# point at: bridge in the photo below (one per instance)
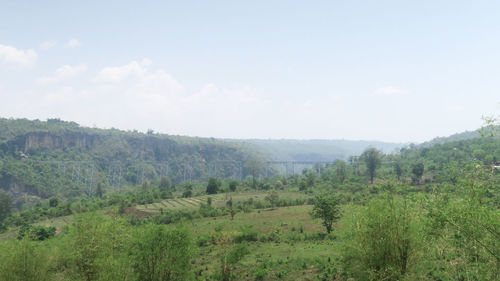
(116, 173)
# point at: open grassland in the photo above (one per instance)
(287, 244)
(264, 221)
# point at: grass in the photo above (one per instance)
(291, 255)
(288, 246)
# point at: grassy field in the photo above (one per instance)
(288, 245)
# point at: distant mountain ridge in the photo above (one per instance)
(330, 150)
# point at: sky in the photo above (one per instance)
(397, 71)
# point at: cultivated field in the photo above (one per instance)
(218, 201)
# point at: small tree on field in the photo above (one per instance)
(212, 186)
(272, 197)
(326, 207)
(232, 211)
(233, 185)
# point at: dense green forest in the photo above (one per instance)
(428, 212)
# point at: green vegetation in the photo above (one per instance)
(372, 158)
(327, 209)
(425, 213)
(40, 160)
(161, 254)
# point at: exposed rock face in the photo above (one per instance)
(52, 141)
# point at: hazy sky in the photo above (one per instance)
(384, 70)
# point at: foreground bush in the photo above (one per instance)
(162, 255)
(383, 240)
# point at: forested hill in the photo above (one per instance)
(455, 137)
(54, 157)
(314, 150)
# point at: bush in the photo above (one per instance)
(161, 254)
(36, 233)
(23, 261)
(383, 241)
(247, 234)
(260, 274)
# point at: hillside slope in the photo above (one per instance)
(43, 159)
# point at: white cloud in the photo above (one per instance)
(139, 89)
(391, 91)
(137, 95)
(119, 73)
(12, 55)
(48, 44)
(72, 43)
(63, 72)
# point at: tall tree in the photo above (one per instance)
(398, 169)
(99, 192)
(372, 158)
(418, 171)
(5, 206)
(212, 186)
(164, 183)
(254, 167)
(341, 170)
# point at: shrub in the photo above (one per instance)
(36, 233)
(161, 254)
(383, 240)
(247, 234)
(23, 261)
